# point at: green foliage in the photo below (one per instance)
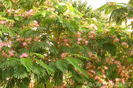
(76, 64)
(61, 43)
(44, 66)
(20, 72)
(119, 12)
(27, 63)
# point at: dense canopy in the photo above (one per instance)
(65, 44)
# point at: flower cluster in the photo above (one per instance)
(92, 35)
(3, 21)
(21, 13)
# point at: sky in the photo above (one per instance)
(97, 3)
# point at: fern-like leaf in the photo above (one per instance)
(20, 72)
(9, 62)
(75, 63)
(62, 65)
(82, 57)
(41, 63)
(27, 63)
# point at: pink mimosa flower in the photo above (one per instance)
(116, 79)
(63, 55)
(11, 53)
(116, 40)
(28, 39)
(105, 67)
(23, 55)
(123, 80)
(9, 11)
(79, 39)
(93, 71)
(102, 87)
(86, 43)
(106, 30)
(65, 40)
(78, 34)
(124, 44)
(29, 13)
(91, 36)
(97, 77)
(24, 44)
(92, 32)
(111, 82)
(35, 21)
(112, 59)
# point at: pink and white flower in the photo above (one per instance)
(23, 55)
